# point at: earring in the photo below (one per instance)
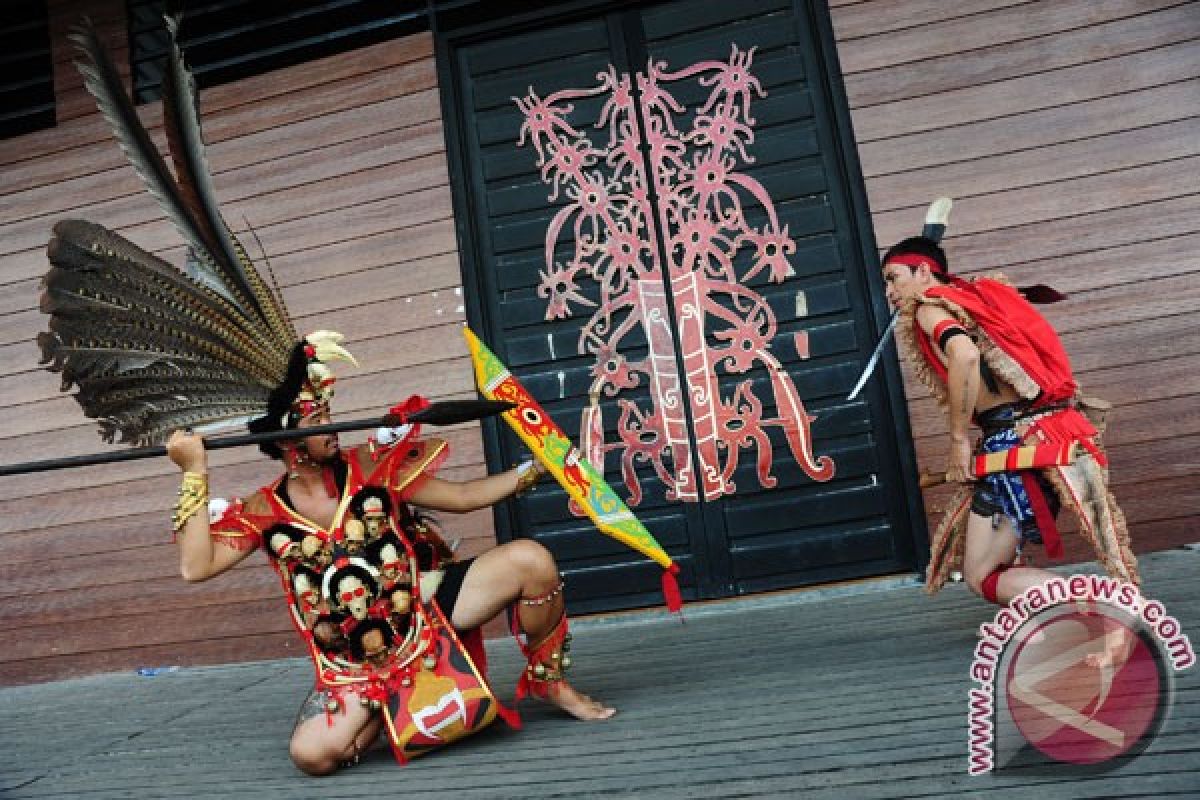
(295, 460)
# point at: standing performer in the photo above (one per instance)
(988, 356)
(390, 620)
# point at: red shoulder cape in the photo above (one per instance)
(1016, 327)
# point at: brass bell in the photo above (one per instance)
(539, 670)
(554, 656)
(429, 663)
(566, 662)
(401, 602)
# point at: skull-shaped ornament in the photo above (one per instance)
(393, 565)
(308, 594)
(374, 645)
(371, 642)
(321, 380)
(329, 636)
(283, 546)
(314, 549)
(401, 602)
(374, 517)
(356, 537)
(353, 595)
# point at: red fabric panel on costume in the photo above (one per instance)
(1046, 523)
(472, 642)
(1013, 324)
(235, 531)
(931, 356)
(1068, 426)
(273, 500)
(430, 470)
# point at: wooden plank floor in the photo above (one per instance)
(855, 691)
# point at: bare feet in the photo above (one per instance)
(1118, 643)
(579, 705)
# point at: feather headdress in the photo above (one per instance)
(926, 249)
(151, 347)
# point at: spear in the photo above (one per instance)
(449, 412)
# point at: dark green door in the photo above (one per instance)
(660, 238)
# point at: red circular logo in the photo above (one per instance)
(1084, 687)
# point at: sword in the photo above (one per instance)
(874, 359)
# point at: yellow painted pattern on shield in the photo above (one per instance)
(582, 482)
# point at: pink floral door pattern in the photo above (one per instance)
(613, 225)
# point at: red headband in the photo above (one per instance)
(915, 260)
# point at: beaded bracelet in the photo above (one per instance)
(193, 496)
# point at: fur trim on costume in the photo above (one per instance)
(949, 541)
(1080, 487)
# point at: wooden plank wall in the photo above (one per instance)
(1064, 129)
(339, 165)
(1066, 132)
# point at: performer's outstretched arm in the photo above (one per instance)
(199, 557)
(459, 497)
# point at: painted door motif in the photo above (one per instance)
(661, 237)
(696, 214)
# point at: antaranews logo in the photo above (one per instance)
(1078, 670)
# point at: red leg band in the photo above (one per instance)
(546, 662)
(989, 585)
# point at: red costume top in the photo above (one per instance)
(360, 594)
(1021, 347)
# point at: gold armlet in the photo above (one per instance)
(193, 496)
(528, 479)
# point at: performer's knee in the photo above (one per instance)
(310, 759)
(532, 559)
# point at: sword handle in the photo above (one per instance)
(930, 479)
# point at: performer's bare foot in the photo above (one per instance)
(1117, 646)
(578, 704)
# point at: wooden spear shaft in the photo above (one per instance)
(446, 413)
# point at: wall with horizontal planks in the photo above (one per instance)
(339, 166)
(1065, 131)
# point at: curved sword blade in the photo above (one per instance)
(871, 363)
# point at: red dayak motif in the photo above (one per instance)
(699, 296)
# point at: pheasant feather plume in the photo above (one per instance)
(150, 347)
